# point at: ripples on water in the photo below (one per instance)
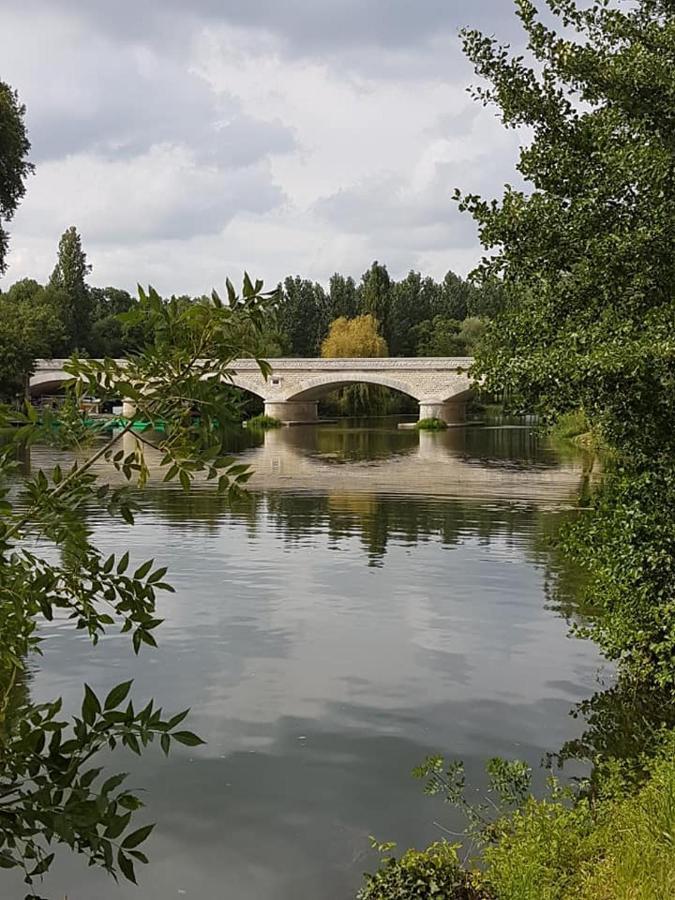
(382, 595)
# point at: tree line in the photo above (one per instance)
(414, 316)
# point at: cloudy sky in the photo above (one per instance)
(190, 139)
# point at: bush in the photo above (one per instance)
(639, 837)
(620, 848)
(539, 851)
(263, 422)
(422, 874)
(431, 425)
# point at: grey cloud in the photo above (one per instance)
(129, 103)
(160, 196)
(306, 25)
(112, 90)
(389, 207)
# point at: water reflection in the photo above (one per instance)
(329, 632)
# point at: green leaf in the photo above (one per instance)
(117, 695)
(123, 563)
(157, 575)
(113, 782)
(177, 719)
(137, 837)
(143, 570)
(117, 825)
(90, 705)
(187, 738)
(127, 515)
(126, 867)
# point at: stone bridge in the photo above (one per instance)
(440, 385)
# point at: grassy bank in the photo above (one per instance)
(619, 846)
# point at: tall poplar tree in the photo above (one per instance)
(375, 294)
(69, 277)
(343, 300)
(302, 315)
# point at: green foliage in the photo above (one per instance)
(343, 300)
(638, 842)
(69, 277)
(586, 258)
(303, 315)
(571, 425)
(508, 786)
(626, 543)
(413, 300)
(30, 327)
(620, 848)
(540, 850)
(586, 323)
(357, 337)
(14, 165)
(616, 845)
(51, 794)
(263, 422)
(441, 336)
(431, 425)
(431, 873)
(589, 278)
(50, 791)
(375, 294)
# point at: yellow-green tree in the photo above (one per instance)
(354, 337)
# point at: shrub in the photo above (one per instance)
(620, 848)
(431, 425)
(639, 837)
(422, 874)
(539, 850)
(263, 422)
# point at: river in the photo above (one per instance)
(380, 596)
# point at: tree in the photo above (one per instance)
(69, 277)
(108, 335)
(354, 338)
(588, 271)
(14, 165)
(343, 299)
(29, 328)
(439, 337)
(52, 790)
(586, 258)
(357, 337)
(412, 301)
(375, 294)
(454, 297)
(302, 315)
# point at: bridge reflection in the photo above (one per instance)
(512, 465)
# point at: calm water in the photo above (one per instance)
(383, 595)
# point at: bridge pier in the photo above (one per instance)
(293, 412)
(447, 411)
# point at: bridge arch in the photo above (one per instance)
(250, 385)
(47, 383)
(319, 387)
